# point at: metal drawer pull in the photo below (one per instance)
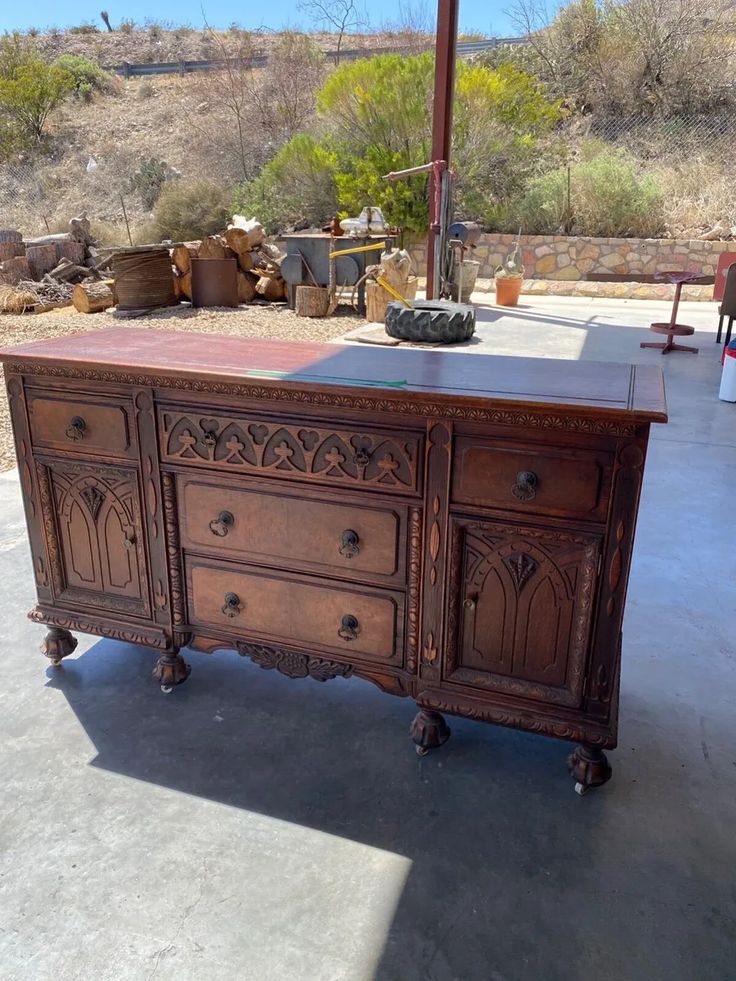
(76, 429)
(209, 439)
(349, 543)
(525, 488)
(222, 524)
(470, 603)
(349, 628)
(129, 540)
(362, 458)
(232, 606)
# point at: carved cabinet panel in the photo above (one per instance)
(521, 604)
(93, 531)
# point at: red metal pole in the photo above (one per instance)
(444, 93)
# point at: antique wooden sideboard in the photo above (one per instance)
(455, 528)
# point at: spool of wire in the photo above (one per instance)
(143, 279)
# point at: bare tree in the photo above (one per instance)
(340, 16)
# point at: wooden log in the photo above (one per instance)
(73, 251)
(11, 250)
(184, 286)
(247, 283)
(214, 247)
(311, 301)
(237, 239)
(10, 235)
(67, 272)
(12, 271)
(41, 259)
(271, 289)
(92, 297)
(182, 255)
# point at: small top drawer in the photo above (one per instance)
(80, 423)
(342, 540)
(532, 479)
(357, 458)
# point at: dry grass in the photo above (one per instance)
(15, 299)
(277, 322)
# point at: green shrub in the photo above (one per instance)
(608, 197)
(295, 189)
(375, 117)
(187, 211)
(149, 180)
(88, 76)
(30, 90)
(85, 28)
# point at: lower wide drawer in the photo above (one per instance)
(257, 604)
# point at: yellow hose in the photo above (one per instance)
(397, 296)
(363, 248)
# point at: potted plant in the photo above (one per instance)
(509, 278)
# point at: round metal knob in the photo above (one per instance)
(349, 627)
(349, 543)
(129, 540)
(525, 488)
(76, 429)
(209, 438)
(222, 524)
(232, 605)
(361, 458)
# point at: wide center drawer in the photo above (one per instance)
(532, 479)
(259, 605)
(343, 540)
(357, 458)
(80, 424)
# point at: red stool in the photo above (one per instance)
(673, 329)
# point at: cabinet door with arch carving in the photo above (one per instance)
(522, 601)
(94, 536)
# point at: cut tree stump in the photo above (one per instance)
(73, 251)
(215, 247)
(12, 271)
(41, 259)
(11, 250)
(311, 301)
(377, 298)
(10, 235)
(184, 286)
(92, 297)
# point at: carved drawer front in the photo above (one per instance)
(245, 444)
(80, 424)
(93, 528)
(530, 479)
(270, 529)
(253, 604)
(521, 609)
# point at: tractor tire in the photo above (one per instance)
(431, 322)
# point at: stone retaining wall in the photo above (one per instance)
(572, 258)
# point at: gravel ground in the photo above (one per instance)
(274, 321)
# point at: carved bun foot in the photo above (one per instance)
(428, 730)
(57, 644)
(171, 669)
(589, 768)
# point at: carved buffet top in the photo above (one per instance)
(576, 396)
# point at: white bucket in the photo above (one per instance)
(727, 391)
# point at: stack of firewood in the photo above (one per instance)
(259, 262)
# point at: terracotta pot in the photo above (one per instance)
(508, 289)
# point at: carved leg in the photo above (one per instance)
(428, 730)
(171, 669)
(57, 644)
(589, 767)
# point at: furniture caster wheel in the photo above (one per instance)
(589, 768)
(422, 750)
(167, 689)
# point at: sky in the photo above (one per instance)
(489, 17)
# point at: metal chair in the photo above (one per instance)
(728, 304)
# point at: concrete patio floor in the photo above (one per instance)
(253, 827)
